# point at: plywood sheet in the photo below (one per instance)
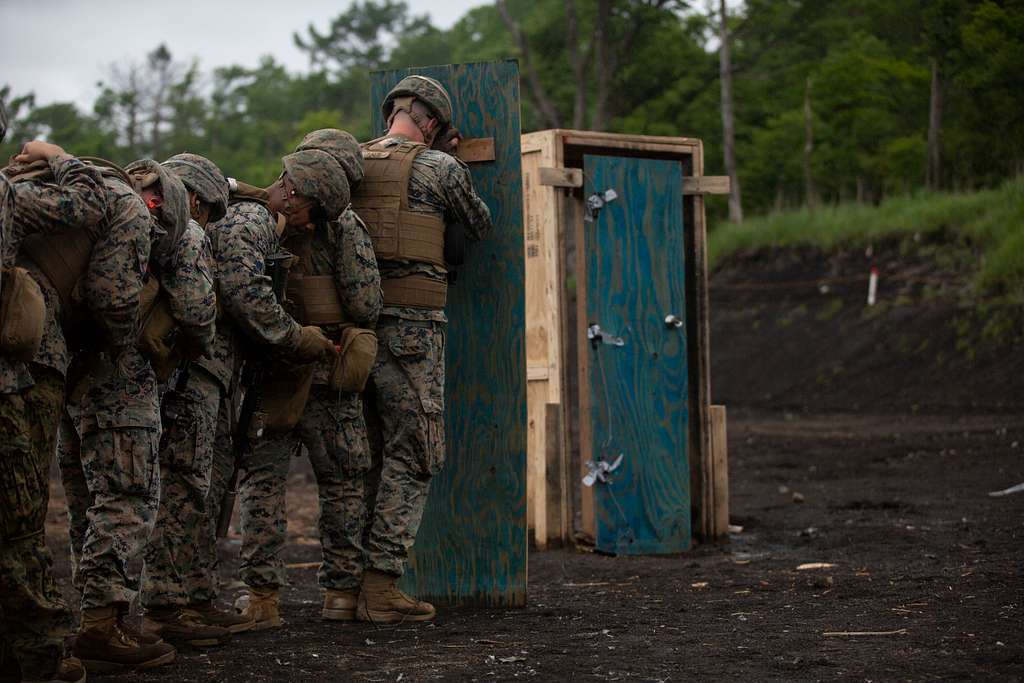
(472, 545)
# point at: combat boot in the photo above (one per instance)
(259, 605)
(340, 605)
(105, 647)
(209, 614)
(69, 671)
(180, 625)
(381, 602)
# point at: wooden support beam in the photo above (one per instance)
(556, 493)
(473, 150)
(706, 184)
(719, 473)
(561, 177)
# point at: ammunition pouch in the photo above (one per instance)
(415, 291)
(285, 394)
(357, 354)
(22, 314)
(382, 201)
(158, 325)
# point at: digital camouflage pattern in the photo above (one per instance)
(202, 176)
(332, 429)
(190, 289)
(176, 567)
(35, 618)
(74, 201)
(334, 434)
(342, 146)
(407, 382)
(189, 420)
(204, 584)
(423, 88)
(172, 217)
(117, 422)
(241, 243)
(318, 176)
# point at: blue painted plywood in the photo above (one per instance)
(638, 391)
(471, 548)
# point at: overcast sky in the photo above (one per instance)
(59, 49)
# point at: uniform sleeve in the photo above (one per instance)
(190, 289)
(464, 204)
(75, 200)
(356, 275)
(247, 290)
(117, 268)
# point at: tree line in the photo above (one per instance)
(821, 101)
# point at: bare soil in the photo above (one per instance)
(881, 471)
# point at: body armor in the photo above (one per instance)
(398, 234)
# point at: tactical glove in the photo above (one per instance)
(313, 344)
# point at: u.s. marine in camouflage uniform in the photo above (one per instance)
(176, 568)
(408, 376)
(111, 449)
(337, 266)
(34, 620)
(255, 324)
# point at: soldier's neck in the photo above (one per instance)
(406, 128)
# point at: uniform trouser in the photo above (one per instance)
(177, 564)
(205, 587)
(111, 477)
(408, 399)
(333, 431)
(33, 615)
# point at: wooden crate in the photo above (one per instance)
(559, 508)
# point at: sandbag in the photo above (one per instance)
(358, 351)
(22, 314)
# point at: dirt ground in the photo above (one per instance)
(925, 570)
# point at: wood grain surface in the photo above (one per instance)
(472, 546)
(635, 277)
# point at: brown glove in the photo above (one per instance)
(313, 344)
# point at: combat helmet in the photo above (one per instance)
(317, 175)
(340, 145)
(425, 89)
(202, 176)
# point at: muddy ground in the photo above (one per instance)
(850, 446)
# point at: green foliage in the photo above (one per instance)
(983, 231)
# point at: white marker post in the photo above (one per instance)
(872, 286)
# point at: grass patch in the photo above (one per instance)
(990, 222)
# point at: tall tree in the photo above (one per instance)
(728, 120)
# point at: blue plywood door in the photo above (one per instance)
(472, 545)
(635, 295)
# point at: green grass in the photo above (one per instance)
(989, 223)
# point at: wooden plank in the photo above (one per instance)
(720, 472)
(632, 144)
(536, 463)
(475, 150)
(709, 184)
(639, 389)
(588, 523)
(561, 177)
(555, 485)
(591, 137)
(472, 544)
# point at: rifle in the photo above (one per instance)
(250, 422)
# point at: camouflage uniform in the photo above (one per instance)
(408, 376)
(331, 428)
(110, 451)
(189, 422)
(35, 617)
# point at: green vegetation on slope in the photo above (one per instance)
(988, 223)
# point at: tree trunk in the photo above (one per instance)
(728, 129)
(537, 92)
(810, 192)
(579, 65)
(934, 173)
(602, 65)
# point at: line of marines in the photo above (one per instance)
(174, 335)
